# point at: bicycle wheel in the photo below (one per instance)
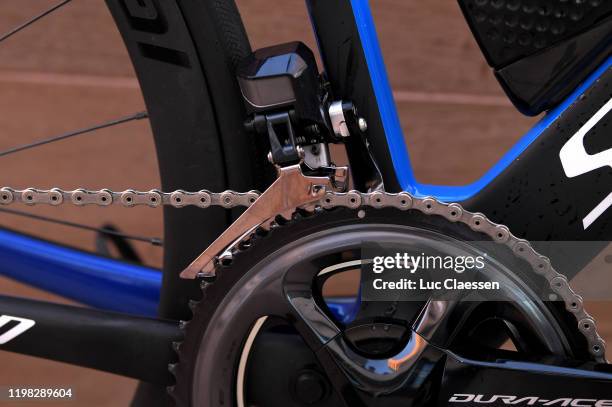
(185, 54)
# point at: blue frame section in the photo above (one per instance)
(83, 277)
(117, 286)
(384, 95)
(393, 129)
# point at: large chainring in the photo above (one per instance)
(234, 301)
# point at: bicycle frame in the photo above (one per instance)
(90, 279)
(394, 134)
(112, 285)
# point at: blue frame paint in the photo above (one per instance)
(80, 276)
(393, 129)
(113, 285)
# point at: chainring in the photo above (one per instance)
(223, 293)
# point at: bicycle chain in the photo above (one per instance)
(353, 200)
(500, 234)
(128, 198)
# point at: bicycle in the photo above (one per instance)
(263, 275)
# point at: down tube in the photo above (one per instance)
(83, 277)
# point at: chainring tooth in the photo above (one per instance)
(352, 200)
(541, 265)
(455, 213)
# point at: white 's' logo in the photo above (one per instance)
(576, 161)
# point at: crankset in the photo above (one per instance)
(266, 334)
(294, 191)
(262, 280)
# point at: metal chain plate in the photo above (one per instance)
(128, 198)
(498, 233)
(353, 200)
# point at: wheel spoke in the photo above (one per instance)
(33, 20)
(110, 123)
(103, 231)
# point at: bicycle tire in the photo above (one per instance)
(197, 121)
(185, 53)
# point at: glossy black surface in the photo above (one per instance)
(347, 71)
(107, 341)
(543, 80)
(397, 381)
(508, 30)
(281, 76)
(538, 202)
(283, 371)
(466, 379)
(541, 50)
(429, 376)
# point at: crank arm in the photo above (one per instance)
(291, 189)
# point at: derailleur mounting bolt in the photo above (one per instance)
(363, 124)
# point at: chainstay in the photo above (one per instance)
(453, 212)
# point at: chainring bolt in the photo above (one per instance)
(310, 387)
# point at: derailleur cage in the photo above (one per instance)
(292, 189)
(288, 104)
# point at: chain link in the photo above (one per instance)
(353, 200)
(128, 198)
(500, 234)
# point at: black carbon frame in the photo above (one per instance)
(538, 202)
(126, 345)
(533, 197)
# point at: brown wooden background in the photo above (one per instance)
(71, 70)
